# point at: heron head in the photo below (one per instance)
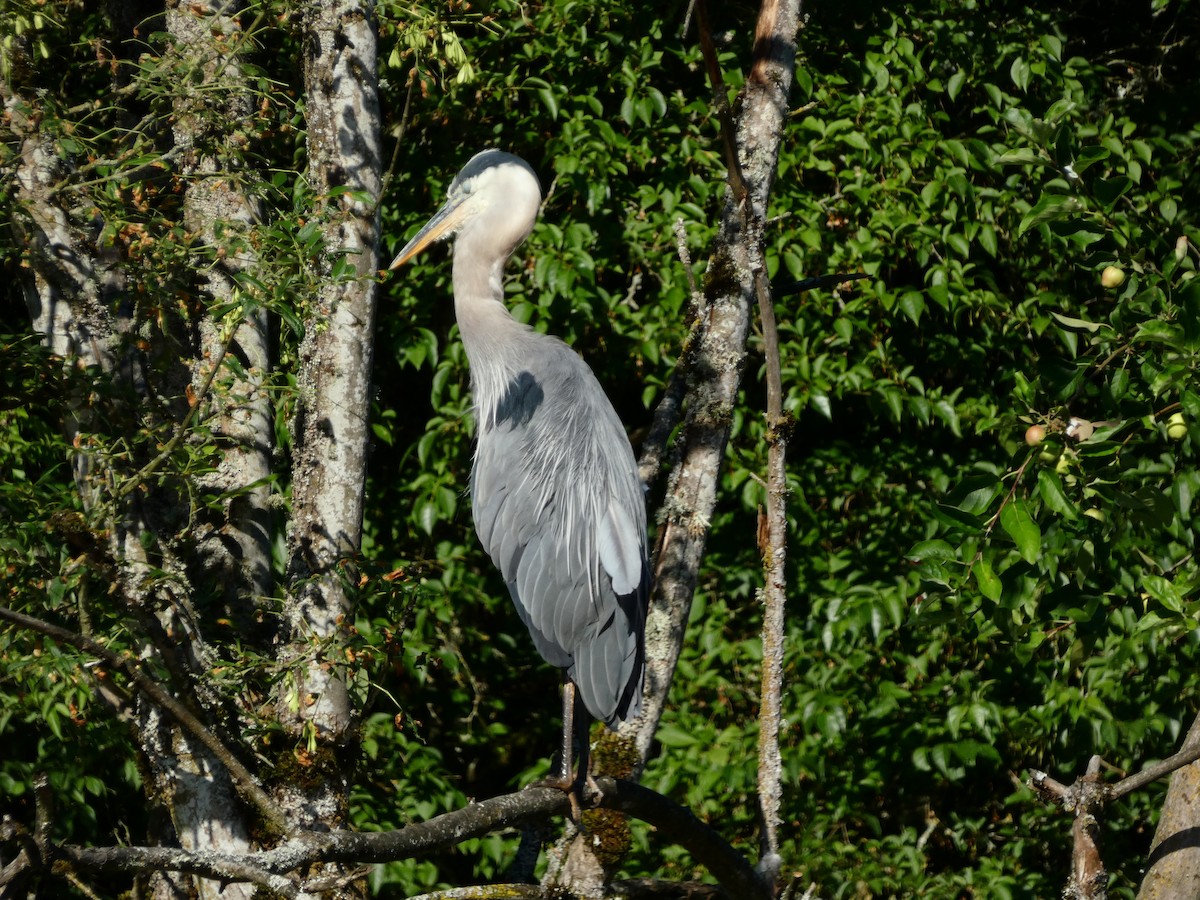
(496, 196)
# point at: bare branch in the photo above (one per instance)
(816, 282)
(303, 849)
(486, 892)
(774, 58)
(252, 867)
(1188, 755)
(658, 889)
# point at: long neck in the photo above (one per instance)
(495, 342)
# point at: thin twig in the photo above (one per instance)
(733, 164)
(135, 481)
(1184, 757)
(816, 282)
(486, 892)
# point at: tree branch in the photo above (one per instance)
(246, 783)
(776, 29)
(1086, 797)
(269, 867)
(1188, 755)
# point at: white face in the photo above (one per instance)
(492, 205)
(499, 196)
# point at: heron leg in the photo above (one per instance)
(574, 779)
(584, 785)
(565, 773)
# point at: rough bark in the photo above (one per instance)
(330, 429)
(715, 358)
(231, 553)
(233, 542)
(1173, 868)
(713, 361)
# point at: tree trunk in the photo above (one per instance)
(330, 429)
(715, 364)
(1173, 869)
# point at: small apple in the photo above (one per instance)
(1034, 435)
(1177, 427)
(1112, 277)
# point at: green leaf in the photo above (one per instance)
(1074, 324)
(974, 495)
(987, 239)
(956, 519)
(1051, 491)
(1088, 157)
(1109, 190)
(1022, 156)
(1159, 331)
(1049, 208)
(988, 581)
(670, 735)
(546, 95)
(820, 402)
(912, 304)
(1019, 72)
(935, 549)
(1163, 591)
(1019, 525)
(955, 83)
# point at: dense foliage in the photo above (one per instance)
(1018, 181)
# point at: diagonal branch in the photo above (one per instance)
(776, 28)
(247, 784)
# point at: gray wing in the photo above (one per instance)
(559, 507)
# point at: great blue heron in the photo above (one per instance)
(555, 493)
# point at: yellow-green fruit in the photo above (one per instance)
(1034, 435)
(1112, 277)
(1176, 427)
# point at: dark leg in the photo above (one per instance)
(565, 773)
(584, 785)
(574, 780)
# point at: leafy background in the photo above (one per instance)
(963, 606)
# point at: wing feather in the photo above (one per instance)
(559, 508)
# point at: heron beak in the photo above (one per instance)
(444, 223)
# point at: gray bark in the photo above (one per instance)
(716, 361)
(714, 371)
(330, 427)
(1173, 869)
